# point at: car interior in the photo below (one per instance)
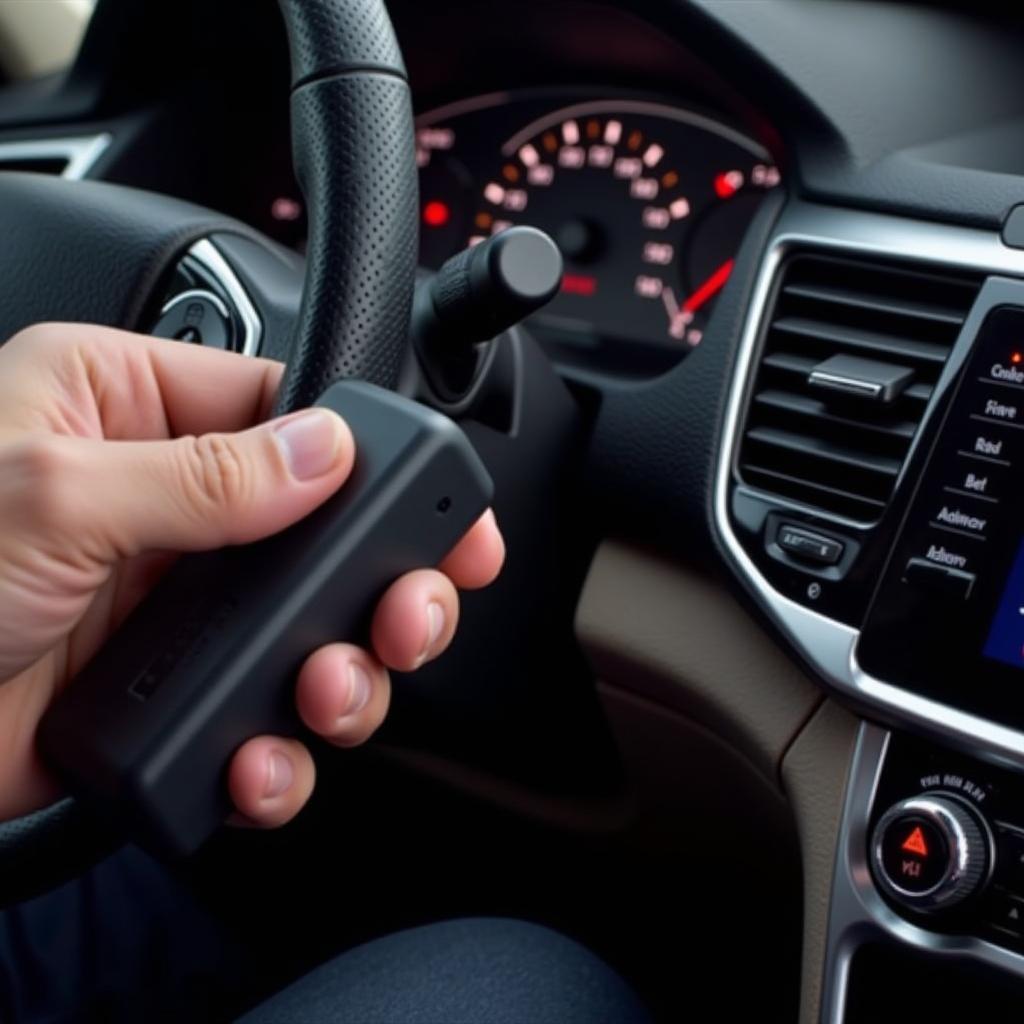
(740, 713)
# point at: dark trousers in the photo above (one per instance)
(125, 943)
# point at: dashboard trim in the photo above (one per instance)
(81, 153)
(205, 253)
(829, 646)
(857, 912)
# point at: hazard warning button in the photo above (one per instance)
(914, 854)
(931, 852)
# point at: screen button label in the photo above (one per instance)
(997, 410)
(983, 446)
(961, 520)
(1010, 374)
(938, 554)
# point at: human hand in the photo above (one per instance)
(118, 451)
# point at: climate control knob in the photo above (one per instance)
(931, 852)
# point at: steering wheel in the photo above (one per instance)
(95, 252)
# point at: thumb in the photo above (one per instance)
(198, 493)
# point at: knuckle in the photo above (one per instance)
(42, 469)
(217, 475)
(49, 335)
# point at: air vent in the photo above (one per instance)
(67, 158)
(852, 355)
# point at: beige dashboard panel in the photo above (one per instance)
(814, 774)
(680, 638)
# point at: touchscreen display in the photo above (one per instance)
(947, 620)
(1006, 637)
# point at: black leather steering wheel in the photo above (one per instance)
(94, 252)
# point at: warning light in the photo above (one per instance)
(579, 284)
(1017, 358)
(728, 183)
(914, 843)
(436, 214)
(284, 208)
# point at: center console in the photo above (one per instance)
(871, 497)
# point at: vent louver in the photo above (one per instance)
(832, 449)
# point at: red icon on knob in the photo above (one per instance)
(914, 843)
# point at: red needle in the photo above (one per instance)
(709, 289)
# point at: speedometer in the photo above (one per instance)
(648, 203)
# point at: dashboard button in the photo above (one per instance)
(1002, 408)
(914, 854)
(938, 579)
(962, 518)
(199, 317)
(808, 545)
(1005, 912)
(1010, 863)
(989, 446)
(977, 480)
(930, 853)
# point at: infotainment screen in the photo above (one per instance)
(947, 618)
(1006, 637)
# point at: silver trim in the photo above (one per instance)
(206, 253)
(81, 153)
(858, 914)
(829, 646)
(203, 293)
(834, 382)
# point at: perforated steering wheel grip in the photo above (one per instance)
(354, 153)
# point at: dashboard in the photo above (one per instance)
(791, 315)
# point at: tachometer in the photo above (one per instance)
(648, 203)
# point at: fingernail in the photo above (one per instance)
(359, 689)
(309, 443)
(435, 623)
(280, 774)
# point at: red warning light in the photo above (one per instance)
(579, 284)
(728, 183)
(914, 843)
(436, 214)
(1017, 358)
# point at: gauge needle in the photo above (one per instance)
(680, 317)
(710, 288)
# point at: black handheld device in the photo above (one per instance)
(210, 658)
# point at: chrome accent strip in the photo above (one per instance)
(858, 914)
(829, 646)
(207, 254)
(80, 153)
(834, 382)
